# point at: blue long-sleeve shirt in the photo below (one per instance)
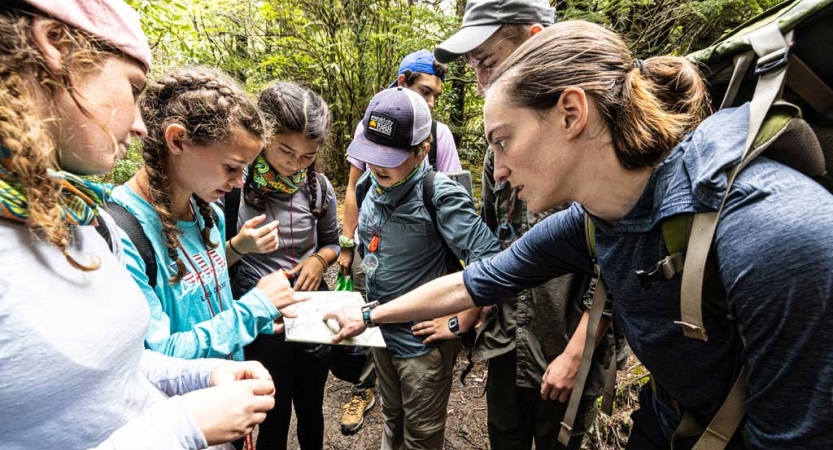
(185, 322)
(774, 252)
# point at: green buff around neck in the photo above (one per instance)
(267, 179)
(381, 189)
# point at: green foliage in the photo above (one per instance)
(347, 50)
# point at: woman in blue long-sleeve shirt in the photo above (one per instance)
(573, 117)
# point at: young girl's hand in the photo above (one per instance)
(252, 239)
(310, 273)
(277, 288)
(345, 261)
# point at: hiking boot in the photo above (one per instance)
(353, 417)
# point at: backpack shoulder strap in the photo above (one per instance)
(452, 263)
(104, 231)
(130, 224)
(599, 291)
(231, 207)
(322, 189)
(432, 154)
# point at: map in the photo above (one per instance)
(310, 327)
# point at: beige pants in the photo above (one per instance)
(415, 395)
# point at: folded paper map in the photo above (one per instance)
(310, 327)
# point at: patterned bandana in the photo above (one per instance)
(267, 179)
(81, 198)
(381, 189)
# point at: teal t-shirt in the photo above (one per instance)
(189, 319)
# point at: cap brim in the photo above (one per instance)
(376, 154)
(464, 41)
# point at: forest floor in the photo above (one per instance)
(466, 426)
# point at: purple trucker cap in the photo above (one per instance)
(396, 120)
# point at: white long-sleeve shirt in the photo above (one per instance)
(73, 370)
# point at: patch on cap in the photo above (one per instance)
(381, 125)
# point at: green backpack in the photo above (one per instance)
(778, 61)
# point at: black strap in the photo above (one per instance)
(452, 262)
(104, 231)
(231, 207)
(432, 154)
(130, 224)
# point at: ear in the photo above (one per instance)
(423, 152)
(535, 29)
(400, 80)
(572, 109)
(41, 29)
(175, 138)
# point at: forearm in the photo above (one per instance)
(575, 347)
(329, 255)
(444, 296)
(176, 376)
(232, 257)
(468, 317)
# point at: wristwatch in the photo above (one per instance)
(368, 322)
(346, 242)
(454, 326)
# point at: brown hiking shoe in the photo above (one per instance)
(353, 417)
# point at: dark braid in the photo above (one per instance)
(208, 104)
(290, 108)
(208, 219)
(312, 185)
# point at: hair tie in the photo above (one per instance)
(640, 64)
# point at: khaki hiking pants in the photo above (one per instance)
(415, 395)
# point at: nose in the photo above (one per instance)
(138, 127)
(501, 172)
(430, 99)
(238, 181)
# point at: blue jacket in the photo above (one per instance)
(181, 322)
(410, 252)
(774, 250)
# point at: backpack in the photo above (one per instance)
(791, 121)
(452, 263)
(432, 153)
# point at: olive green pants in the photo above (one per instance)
(415, 395)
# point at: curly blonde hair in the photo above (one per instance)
(23, 69)
(208, 104)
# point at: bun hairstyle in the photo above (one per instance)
(648, 105)
(22, 133)
(292, 109)
(209, 105)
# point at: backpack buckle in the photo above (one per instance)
(773, 61)
(664, 270)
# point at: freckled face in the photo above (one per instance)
(529, 151)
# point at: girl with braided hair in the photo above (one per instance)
(74, 370)
(283, 184)
(203, 130)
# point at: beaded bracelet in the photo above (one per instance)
(321, 260)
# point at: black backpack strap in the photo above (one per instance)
(452, 262)
(322, 190)
(231, 207)
(432, 154)
(130, 224)
(103, 230)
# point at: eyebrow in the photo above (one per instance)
(239, 160)
(493, 131)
